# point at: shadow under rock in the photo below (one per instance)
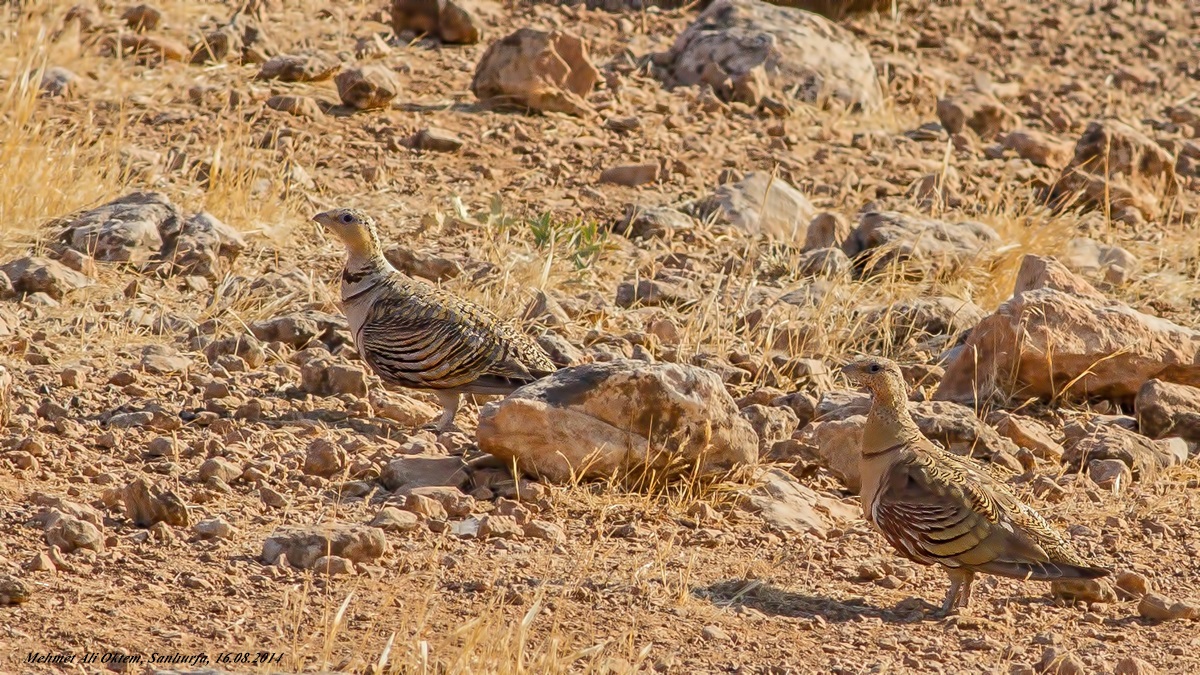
(440, 107)
(773, 601)
(341, 110)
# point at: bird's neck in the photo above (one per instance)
(889, 423)
(364, 252)
(365, 267)
(363, 248)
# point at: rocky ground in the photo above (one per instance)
(705, 218)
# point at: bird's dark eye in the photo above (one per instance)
(874, 367)
(347, 218)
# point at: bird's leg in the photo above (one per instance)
(958, 578)
(964, 595)
(449, 401)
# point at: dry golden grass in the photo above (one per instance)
(49, 170)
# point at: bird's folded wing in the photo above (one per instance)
(936, 513)
(435, 342)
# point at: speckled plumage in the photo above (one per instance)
(417, 336)
(937, 507)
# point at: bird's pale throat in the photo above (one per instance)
(362, 248)
(888, 422)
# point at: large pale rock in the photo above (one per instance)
(790, 506)
(619, 417)
(163, 360)
(1118, 165)
(147, 227)
(53, 506)
(126, 229)
(1046, 341)
(1166, 409)
(451, 21)
(1157, 607)
(455, 502)
(761, 204)
(960, 431)
(771, 424)
(921, 246)
(32, 274)
(1047, 272)
(304, 545)
(748, 49)
(837, 446)
(69, 533)
(298, 329)
(548, 71)
(392, 519)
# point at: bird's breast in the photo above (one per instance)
(871, 472)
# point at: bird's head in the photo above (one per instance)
(877, 374)
(355, 228)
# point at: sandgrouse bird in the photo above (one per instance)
(937, 507)
(416, 336)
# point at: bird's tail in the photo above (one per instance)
(1044, 571)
